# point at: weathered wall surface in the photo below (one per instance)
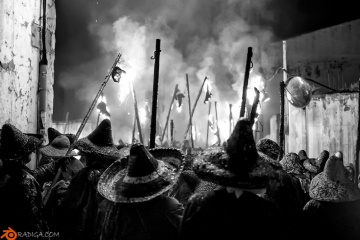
(329, 56)
(329, 122)
(20, 43)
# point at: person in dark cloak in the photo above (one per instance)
(283, 189)
(21, 205)
(138, 207)
(291, 165)
(236, 210)
(81, 205)
(334, 209)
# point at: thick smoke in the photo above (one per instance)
(200, 38)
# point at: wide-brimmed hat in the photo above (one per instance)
(238, 165)
(58, 148)
(147, 174)
(316, 165)
(332, 185)
(100, 142)
(15, 144)
(53, 133)
(268, 147)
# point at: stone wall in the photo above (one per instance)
(20, 54)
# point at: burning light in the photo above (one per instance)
(179, 108)
(142, 115)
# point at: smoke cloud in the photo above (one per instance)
(200, 38)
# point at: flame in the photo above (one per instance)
(142, 115)
(179, 108)
(125, 87)
(193, 132)
(255, 81)
(206, 85)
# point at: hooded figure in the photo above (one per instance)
(334, 209)
(283, 189)
(21, 204)
(235, 209)
(81, 205)
(136, 188)
(291, 165)
(316, 165)
(189, 183)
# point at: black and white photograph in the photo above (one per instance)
(179, 119)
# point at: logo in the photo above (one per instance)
(9, 234)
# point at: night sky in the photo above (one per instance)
(202, 38)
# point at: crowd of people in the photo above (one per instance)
(240, 190)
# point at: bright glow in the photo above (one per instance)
(107, 109)
(179, 108)
(206, 85)
(194, 132)
(142, 115)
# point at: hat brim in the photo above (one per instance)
(210, 165)
(86, 146)
(323, 189)
(50, 151)
(111, 184)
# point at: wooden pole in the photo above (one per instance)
(134, 130)
(86, 118)
(208, 126)
(168, 116)
(172, 132)
(254, 106)
(217, 124)
(282, 104)
(282, 116)
(155, 94)
(190, 118)
(357, 142)
(136, 110)
(66, 121)
(193, 110)
(246, 80)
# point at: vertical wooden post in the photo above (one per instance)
(282, 115)
(155, 93)
(208, 126)
(193, 110)
(136, 112)
(168, 116)
(172, 132)
(230, 119)
(246, 80)
(357, 141)
(190, 120)
(217, 124)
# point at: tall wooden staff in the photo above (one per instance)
(136, 110)
(282, 114)
(217, 124)
(357, 141)
(155, 93)
(172, 132)
(134, 130)
(254, 106)
(46, 198)
(208, 126)
(246, 80)
(193, 110)
(282, 105)
(167, 118)
(188, 91)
